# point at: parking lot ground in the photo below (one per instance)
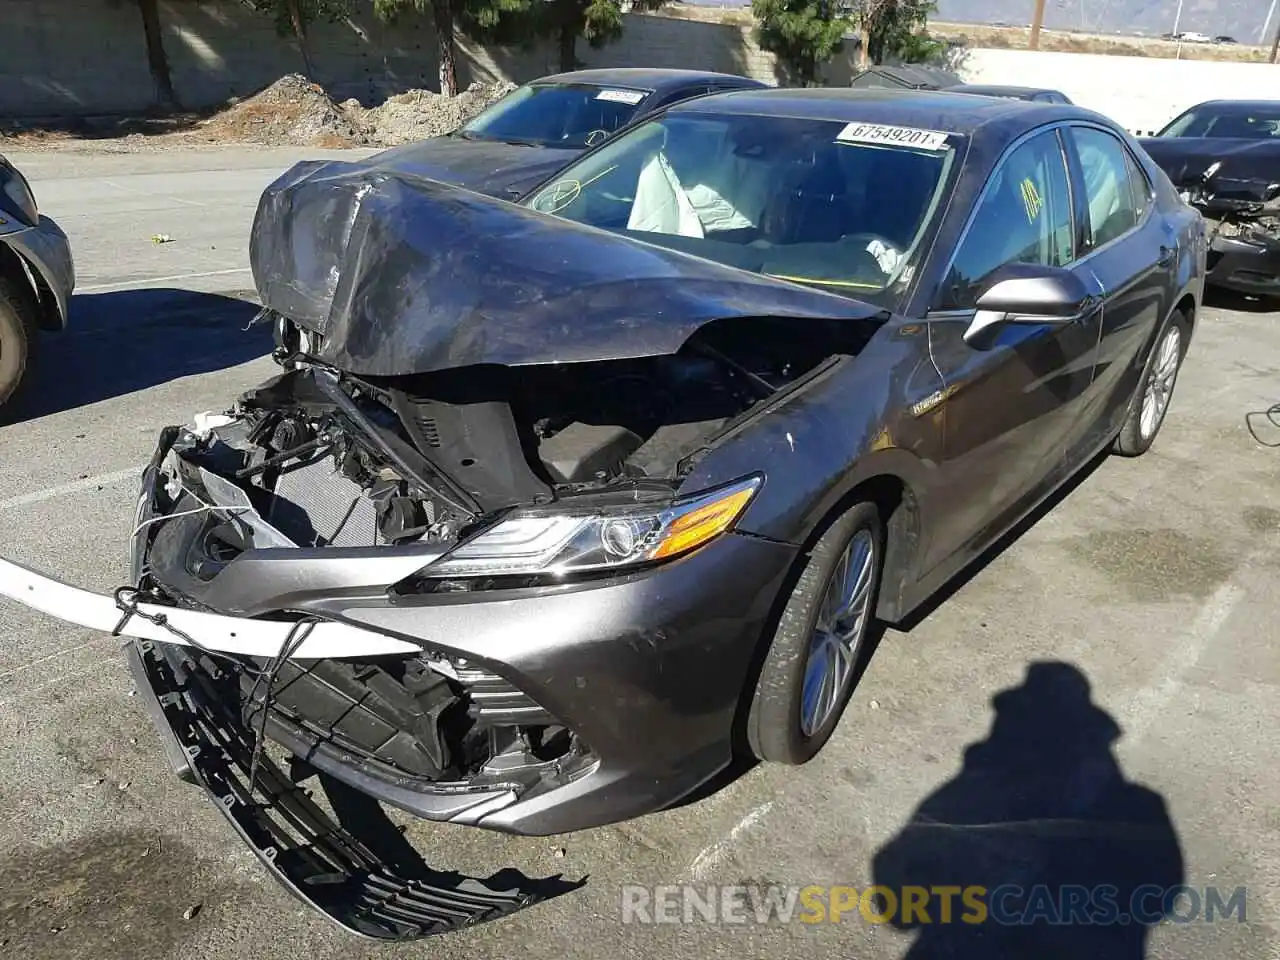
(1133, 630)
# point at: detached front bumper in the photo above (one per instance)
(317, 860)
(1244, 265)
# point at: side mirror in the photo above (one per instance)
(1027, 293)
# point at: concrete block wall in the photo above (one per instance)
(72, 57)
(79, 57)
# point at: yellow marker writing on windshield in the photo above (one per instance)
(1031, 200)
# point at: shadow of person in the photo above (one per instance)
(1075, 860)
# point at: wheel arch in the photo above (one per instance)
(15, 268)
(1188, 307)
(893, 481)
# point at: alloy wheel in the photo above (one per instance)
(1155, 400)
(838, 632)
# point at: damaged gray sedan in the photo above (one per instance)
(556, 505)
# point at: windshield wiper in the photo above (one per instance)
(518, 142)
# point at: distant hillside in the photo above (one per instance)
(1242, 19)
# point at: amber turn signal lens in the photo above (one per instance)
(705, 523)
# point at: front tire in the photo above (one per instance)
(1155, 390)
(17, 337)
(816, 653)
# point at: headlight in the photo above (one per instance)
(18, 198)
(526, 543)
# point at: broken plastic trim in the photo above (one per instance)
(329, 869)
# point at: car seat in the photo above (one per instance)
(811, 207)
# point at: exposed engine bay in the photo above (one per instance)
(316, 459)
(1236, 208)
(347, 461)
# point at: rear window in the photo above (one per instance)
(572, 115)
(1227, 121)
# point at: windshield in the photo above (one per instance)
(1227, 121)
(573, 115)
(841, 206)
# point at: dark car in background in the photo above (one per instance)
(1034, 94)
(37, 275)
(540, 127)
(555, 504)
(1224, 157)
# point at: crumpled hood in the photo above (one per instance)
(401, 275)
(498, 169)
(1185, 159)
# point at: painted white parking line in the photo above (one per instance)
(125, 284)
(75, 486)
(1146, 706)
(707, 860)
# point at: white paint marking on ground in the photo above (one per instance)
(145, 193)
(75, 486)
(123, 284)
(704, 862)
(1145, 707)
(7, 674)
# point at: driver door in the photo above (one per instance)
(1009, 413)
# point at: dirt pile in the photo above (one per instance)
(418, 114)
(291, 111)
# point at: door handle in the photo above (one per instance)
(1166, 255)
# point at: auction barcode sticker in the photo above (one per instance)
(621, 96)
(893, 136)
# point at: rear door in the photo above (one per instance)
(1010, 412)
(1133, 254)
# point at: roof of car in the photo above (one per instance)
(997, 89)
(644, 78)
(958, 113)
(1240, 104)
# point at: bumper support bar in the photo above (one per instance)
(212, 631)
(318, 861)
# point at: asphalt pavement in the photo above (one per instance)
(1132, 630)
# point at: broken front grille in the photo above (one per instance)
(495, 702)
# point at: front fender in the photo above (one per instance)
(43, 253)
(845, 428)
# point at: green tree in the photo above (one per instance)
(895, 30)
(444, 17)
(295, 16)
(802, 34)
(525, 23)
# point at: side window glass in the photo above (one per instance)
(1138, 185)
(1024, 216)
(1104, 162)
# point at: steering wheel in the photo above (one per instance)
(558, 196)
(595, 136)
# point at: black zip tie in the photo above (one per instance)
(126, 600)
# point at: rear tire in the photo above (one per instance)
(17, 336)
(1155, 390)
(793, 712)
